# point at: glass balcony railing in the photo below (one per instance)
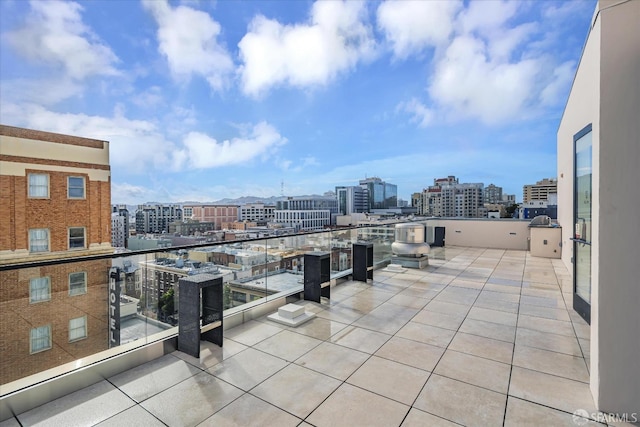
(65, 314)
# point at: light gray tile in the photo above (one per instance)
(461, 403)
(387, 318)
(546, 312)
(87, 406)
(489, 330)
(352, 406)
(248, 410)
(360, 339)
(135, 416)
(474, 370)
(287, 345)
(417, 418)
(149, 379)
(493, 316)
(296, 390)
(548, 341)
(10, 422)
(523, 413)
(198, 398)
(441, 320)
(319, 328)
(545, 325)
(390, 379)
(408, 301)
(412, 353)
(447, 308)
(550, 362)
(211, 354)
(252, 332)
(500, 351)
(492, 304)
(426, 334)
(248, 368)
(550, 390)
(334, 360)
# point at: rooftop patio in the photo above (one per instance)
(480, 337)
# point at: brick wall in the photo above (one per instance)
(18, 316)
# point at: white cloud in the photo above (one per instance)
(467, 83)
(419, 112)
(188, 39)
(48, 91)
(413, 25)
(335, 40)
(491, 70)
(202, 151)
(560, 82)
(55, 34)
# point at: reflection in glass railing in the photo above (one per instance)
(57, 312)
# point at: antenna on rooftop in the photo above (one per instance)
(282, 188)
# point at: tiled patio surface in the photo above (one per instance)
(481, 337)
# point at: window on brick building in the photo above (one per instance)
(39, 240)
(40, 339)
(38, 185)
(39, 289)
(77, 328)
(78, 283)
(76, 238)
(75, 187)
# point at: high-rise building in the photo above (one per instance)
(380, 194)
(119, 226)
(155, 218)
(448, 198)
(56, 203)
(352, 199)
(492, 194)
(540, 190)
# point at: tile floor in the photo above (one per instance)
(481, 337)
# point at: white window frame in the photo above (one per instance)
(38, 334)
(40, 239)
(84, 238)
(31, 187)
(38, 294)
(69, 187)
(80, 290)
(78, 331)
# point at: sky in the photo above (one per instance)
(205, 100)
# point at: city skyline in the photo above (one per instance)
(203, 101)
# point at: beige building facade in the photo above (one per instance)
(598, 201)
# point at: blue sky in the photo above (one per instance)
(203, 100)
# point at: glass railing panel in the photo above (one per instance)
(62, 312)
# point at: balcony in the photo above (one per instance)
(480, 337)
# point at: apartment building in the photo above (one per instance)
(540, 190)
(216, 214)
(52, 208)
(492, 194)
(155, 218)
(448, 198)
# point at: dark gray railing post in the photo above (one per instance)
(317, 275)
(190, 308)
(362, 254)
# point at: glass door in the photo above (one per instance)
(582, 223)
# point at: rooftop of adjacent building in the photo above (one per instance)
(480, 337)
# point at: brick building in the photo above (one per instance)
(217, 214)
(56, 203)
